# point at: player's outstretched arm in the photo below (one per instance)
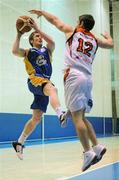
(106, 42)
(16, 50)
(53, 20)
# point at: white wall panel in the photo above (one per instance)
(13, 77)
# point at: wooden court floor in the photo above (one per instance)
(52, 161)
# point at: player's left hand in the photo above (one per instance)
(33, 24)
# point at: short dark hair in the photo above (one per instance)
(31, 37)
(88, 21)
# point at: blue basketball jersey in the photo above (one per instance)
(38, 61)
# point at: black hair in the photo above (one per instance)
(88, 21)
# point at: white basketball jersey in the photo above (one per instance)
(80, 51)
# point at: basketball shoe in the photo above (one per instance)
(100, 150)
(63, 119)
(18, 147)
(89, 158)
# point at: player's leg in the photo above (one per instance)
(50, 90)
(28, 129)
(82, 132)
(98, 148)
(30, 125)
(91, 132)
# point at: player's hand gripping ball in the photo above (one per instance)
(23, 24)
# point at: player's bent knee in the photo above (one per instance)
(36, 119)
(54, 89)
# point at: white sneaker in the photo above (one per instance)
(100, 150)
(89, 158)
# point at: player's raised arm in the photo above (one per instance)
(22, 25)
(106, 42)
(53, 20)
(16, 50)
(46, 37)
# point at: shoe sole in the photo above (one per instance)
(64, 124)
(19, 156)
(101, 155)
(93, 160)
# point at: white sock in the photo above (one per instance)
(22, 138)
(59, 111)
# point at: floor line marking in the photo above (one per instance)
(68, 177)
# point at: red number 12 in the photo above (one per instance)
(88, 47)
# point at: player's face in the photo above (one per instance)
(37, 40)
(79, 23)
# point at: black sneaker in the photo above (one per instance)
(18, 147)
(63, 120)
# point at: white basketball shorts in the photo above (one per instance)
(77, 87)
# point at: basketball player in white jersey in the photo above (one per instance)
(81, 47)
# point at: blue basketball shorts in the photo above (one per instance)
(40, 100)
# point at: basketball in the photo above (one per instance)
(22, 24)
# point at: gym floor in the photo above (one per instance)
(58, 161)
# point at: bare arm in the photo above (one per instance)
(16, 50)
(53, 20)
(47, 38)
(106, 42)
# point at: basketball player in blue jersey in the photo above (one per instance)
(81, 47)
(38, 66)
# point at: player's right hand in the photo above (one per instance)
(37, 12)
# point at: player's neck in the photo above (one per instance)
(37, 47)
(80, 26)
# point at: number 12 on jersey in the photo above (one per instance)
(85, 47)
